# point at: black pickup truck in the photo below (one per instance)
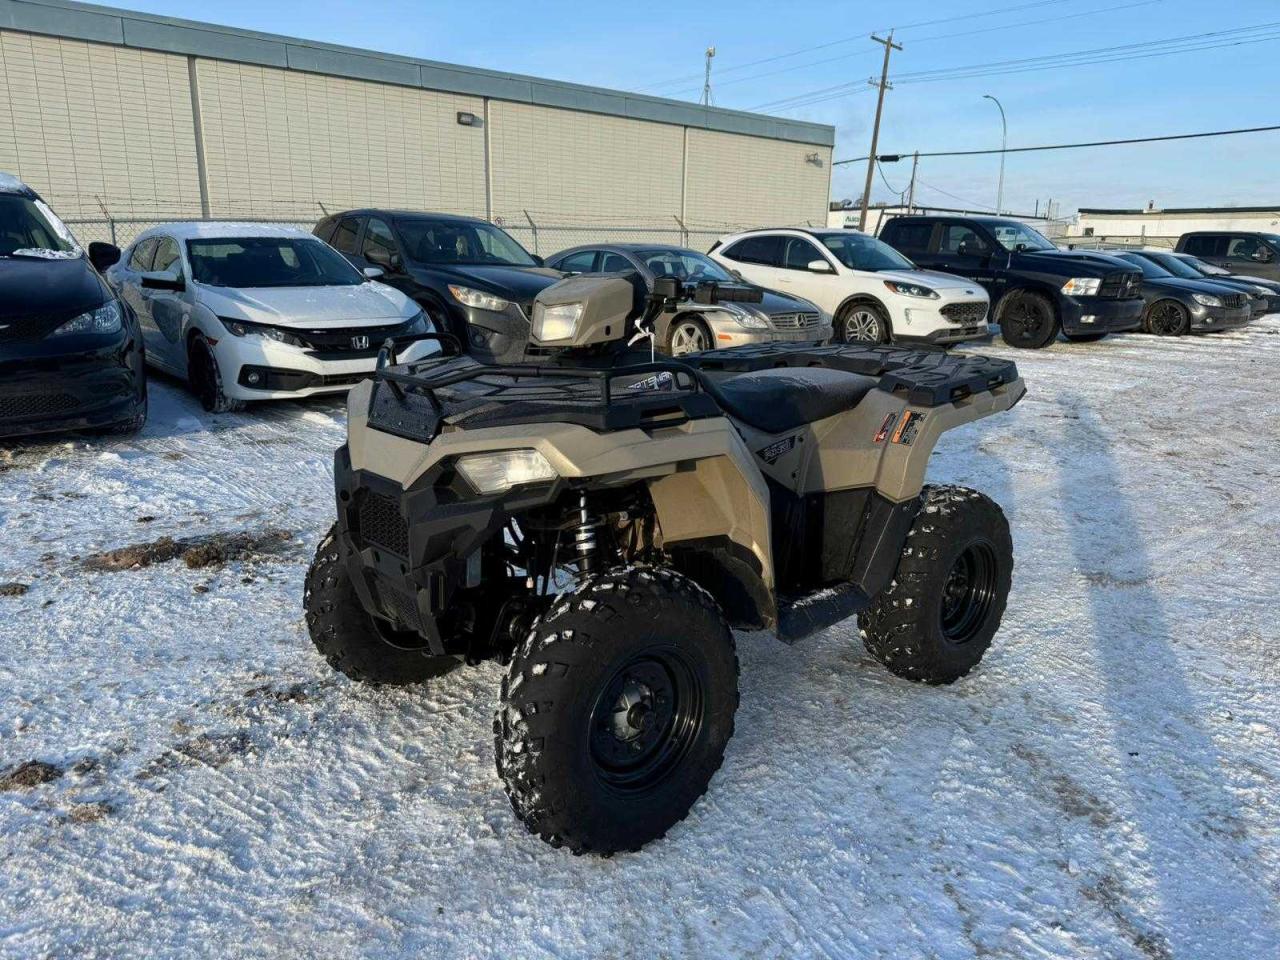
(1036, 289)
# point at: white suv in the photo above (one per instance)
(873, 292)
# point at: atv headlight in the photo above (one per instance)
(497, 472)
(243, 328)
(1082, 286)
(555, 322)
(911, 290)
(1206, 300)
(107, 318)
(478, 299)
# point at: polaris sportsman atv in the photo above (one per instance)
(599, 527)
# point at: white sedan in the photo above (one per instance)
(247, 311)
(872, 292)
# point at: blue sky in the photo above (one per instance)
(619, 46)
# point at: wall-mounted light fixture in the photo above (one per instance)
(468, 119)
(814, 158)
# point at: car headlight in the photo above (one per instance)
(418, 323)
(107, 318)
(1206, 300)
(243, 328)
(748, 318)
(911, 290)
(1261, 292)
(497, 472)
(555, 322)
(1082, 286)
(478, 299)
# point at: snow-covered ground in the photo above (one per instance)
(1104, 786)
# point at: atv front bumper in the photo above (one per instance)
(409, 551)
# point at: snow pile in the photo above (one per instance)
(180, 775)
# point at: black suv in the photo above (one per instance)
(1035, 288)
(473, 279)
(1240, 251)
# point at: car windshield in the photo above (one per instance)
(1206, 268)
(685, 265)
(1011, 235)
(462, 242)
(1150, 270)
(1175, 266)
(269, 262)
(857, 251)
(28, 228)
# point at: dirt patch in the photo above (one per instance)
(88, 812)
(1109, 894)
(1066, 794)
(30, 774)
(14, 589)
(208, 749)
(196, 552)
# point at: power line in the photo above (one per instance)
(1067, 146)
(1114, 54)
(861, 36)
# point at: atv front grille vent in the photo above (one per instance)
(36, 405)
(403, 607)
(381, 524)
(796, 321)
(965, 312)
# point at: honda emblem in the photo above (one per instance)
(359, 343)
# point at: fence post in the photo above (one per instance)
(111, 224)
(534, 227)
(684, 231)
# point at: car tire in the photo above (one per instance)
(1084, 337)
(1027, 320)
(862, 323)
(349, 639)
(615, 711)
(688, 335)
(1166, 318)
(205, 378)
(935, 620)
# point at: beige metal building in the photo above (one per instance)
(138, 118)
(1163, 227)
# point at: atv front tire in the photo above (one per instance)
(935, 620)
(349, 638)
(616, 710)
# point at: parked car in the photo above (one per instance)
(472, 278)
(247, 311)
(1175, 306)
(1208, 270)
(1262, 299)
(71, 354)
(872, 292)
(696, 327)
(1240, 251)
(1036, 289)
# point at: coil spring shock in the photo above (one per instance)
(584, 536)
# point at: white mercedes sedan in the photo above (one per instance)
(246, 311)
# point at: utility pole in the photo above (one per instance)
(911, 190)
(889, 47)
(706, 85)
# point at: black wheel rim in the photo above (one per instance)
(968, 592)
(1025, 321)
(1166, 319)
(645, 720)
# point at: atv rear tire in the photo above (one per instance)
(1027, 320)
(616, 710)
(348, 637)
(935, 620)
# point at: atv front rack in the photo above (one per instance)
(415, 401)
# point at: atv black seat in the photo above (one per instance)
(783, 398)
(928, 378)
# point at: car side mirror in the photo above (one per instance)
(538, 260)
(103, 255)
(164, 280)
(819, 266)
(738, 274)
(373, 273)
(1263, 255)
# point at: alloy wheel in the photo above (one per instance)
(688, 337)
(1166, 319)
(862, 326)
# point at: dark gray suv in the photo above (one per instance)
(1240, 251)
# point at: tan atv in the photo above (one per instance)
(601, 528)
